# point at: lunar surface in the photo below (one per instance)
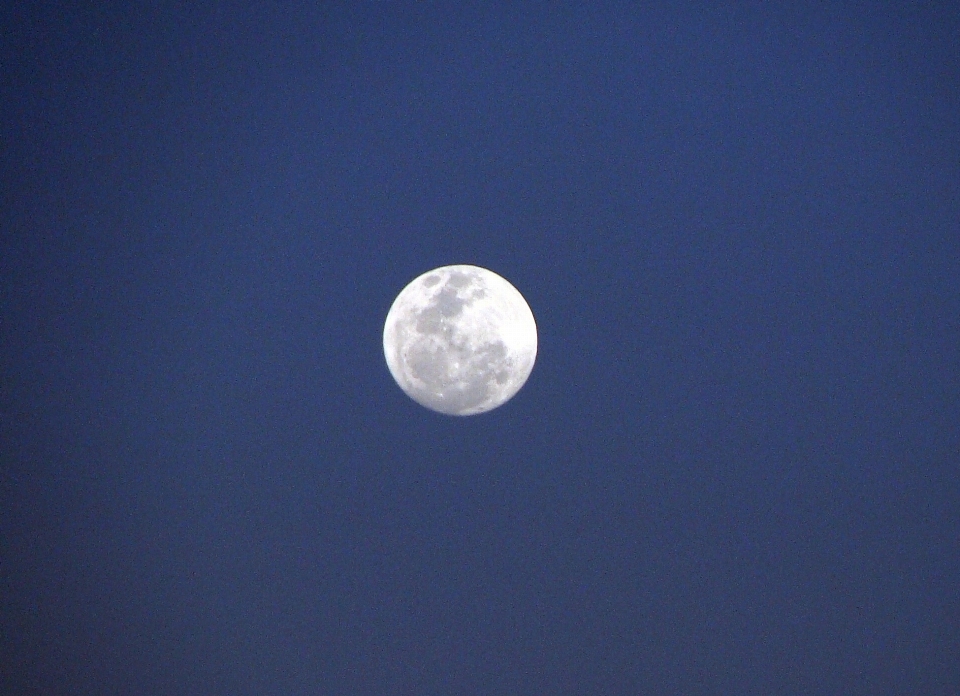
(460, 340)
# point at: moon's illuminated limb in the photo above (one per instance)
(460, 340)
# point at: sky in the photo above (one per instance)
(735, 468)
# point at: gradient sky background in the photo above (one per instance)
(735, 468)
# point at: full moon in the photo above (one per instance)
(460, 340)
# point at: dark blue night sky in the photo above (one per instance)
(734, 470)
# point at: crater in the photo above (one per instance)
(460, 280)
(448, 302)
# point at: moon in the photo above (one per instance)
(460, 340)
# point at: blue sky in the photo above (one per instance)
(733, 469)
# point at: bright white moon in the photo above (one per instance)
(460, 340)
